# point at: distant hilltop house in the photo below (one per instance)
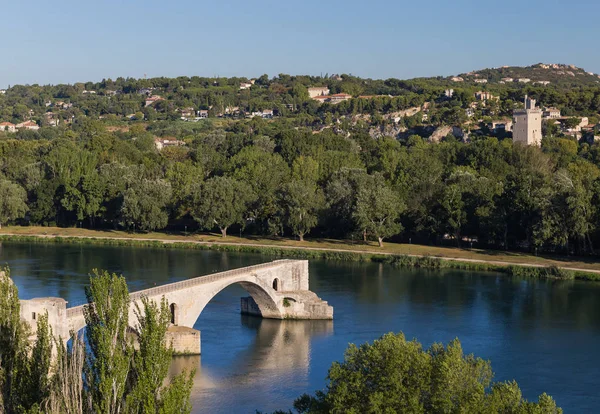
(457, 79)
(449, 93)
(203, 113)
(245, 85)
(336, 77)
(507, 80)
(523, 80)
(8, 127)
(333, 99)
(318, 91)
(51, 118)
(266, 114)
(62, 105)
(573, 130)
(187, 112)
(28, 125)
(551, 113)
(527, 127)
(500, 125)
(544, 83)
(161, 143)
(2, 91)
(485, 96)
(481, 81)
(153, 99)
(86, 92)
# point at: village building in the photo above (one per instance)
(153, 99)
(246, 85)
(187, 112)
(339, 97)
(161, 143)
(8, 127)
(551, 113)
(203, 113)
(51, 119)
(267, 113)
(527, 127)
(485, 96)
(28, 125)
(318, 91)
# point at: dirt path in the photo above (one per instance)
(326, 249)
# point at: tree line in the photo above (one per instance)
(270, 178)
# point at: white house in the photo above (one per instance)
(28, 125)
(8, 127)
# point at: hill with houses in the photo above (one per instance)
(557, 74)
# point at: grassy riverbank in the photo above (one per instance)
(405, 255)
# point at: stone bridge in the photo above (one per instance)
(278, 290)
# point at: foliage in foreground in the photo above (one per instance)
(104, 374)
(396, 375)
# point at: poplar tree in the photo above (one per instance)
(109, 354)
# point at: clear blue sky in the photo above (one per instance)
(70, 41)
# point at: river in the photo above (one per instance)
(544, 334)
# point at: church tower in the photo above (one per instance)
(527, 127)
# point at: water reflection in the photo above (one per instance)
(279, 350)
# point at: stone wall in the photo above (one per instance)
(184, 340)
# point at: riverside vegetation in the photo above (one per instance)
(393, 375)
(398, 260)
(103, 374)
(321, 170)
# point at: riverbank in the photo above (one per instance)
(406, 255)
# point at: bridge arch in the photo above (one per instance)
(190, 302)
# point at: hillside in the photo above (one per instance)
(559, 75)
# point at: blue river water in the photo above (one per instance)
(544, 334)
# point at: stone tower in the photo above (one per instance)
(527, 127)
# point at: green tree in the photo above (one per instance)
(13, 200)
(108, 360)
(145, 204)
(24, 370)
(302, 202)
(395, 375)
(378, 208)
(221, 202)
(150, 366)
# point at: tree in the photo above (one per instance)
(221, 202)
(396, 375)
(150, 366)
(108, 359)
(13, 200)
(117, 377)
(24, 370)
(145, 203)
(302, 202)
(378, 208)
